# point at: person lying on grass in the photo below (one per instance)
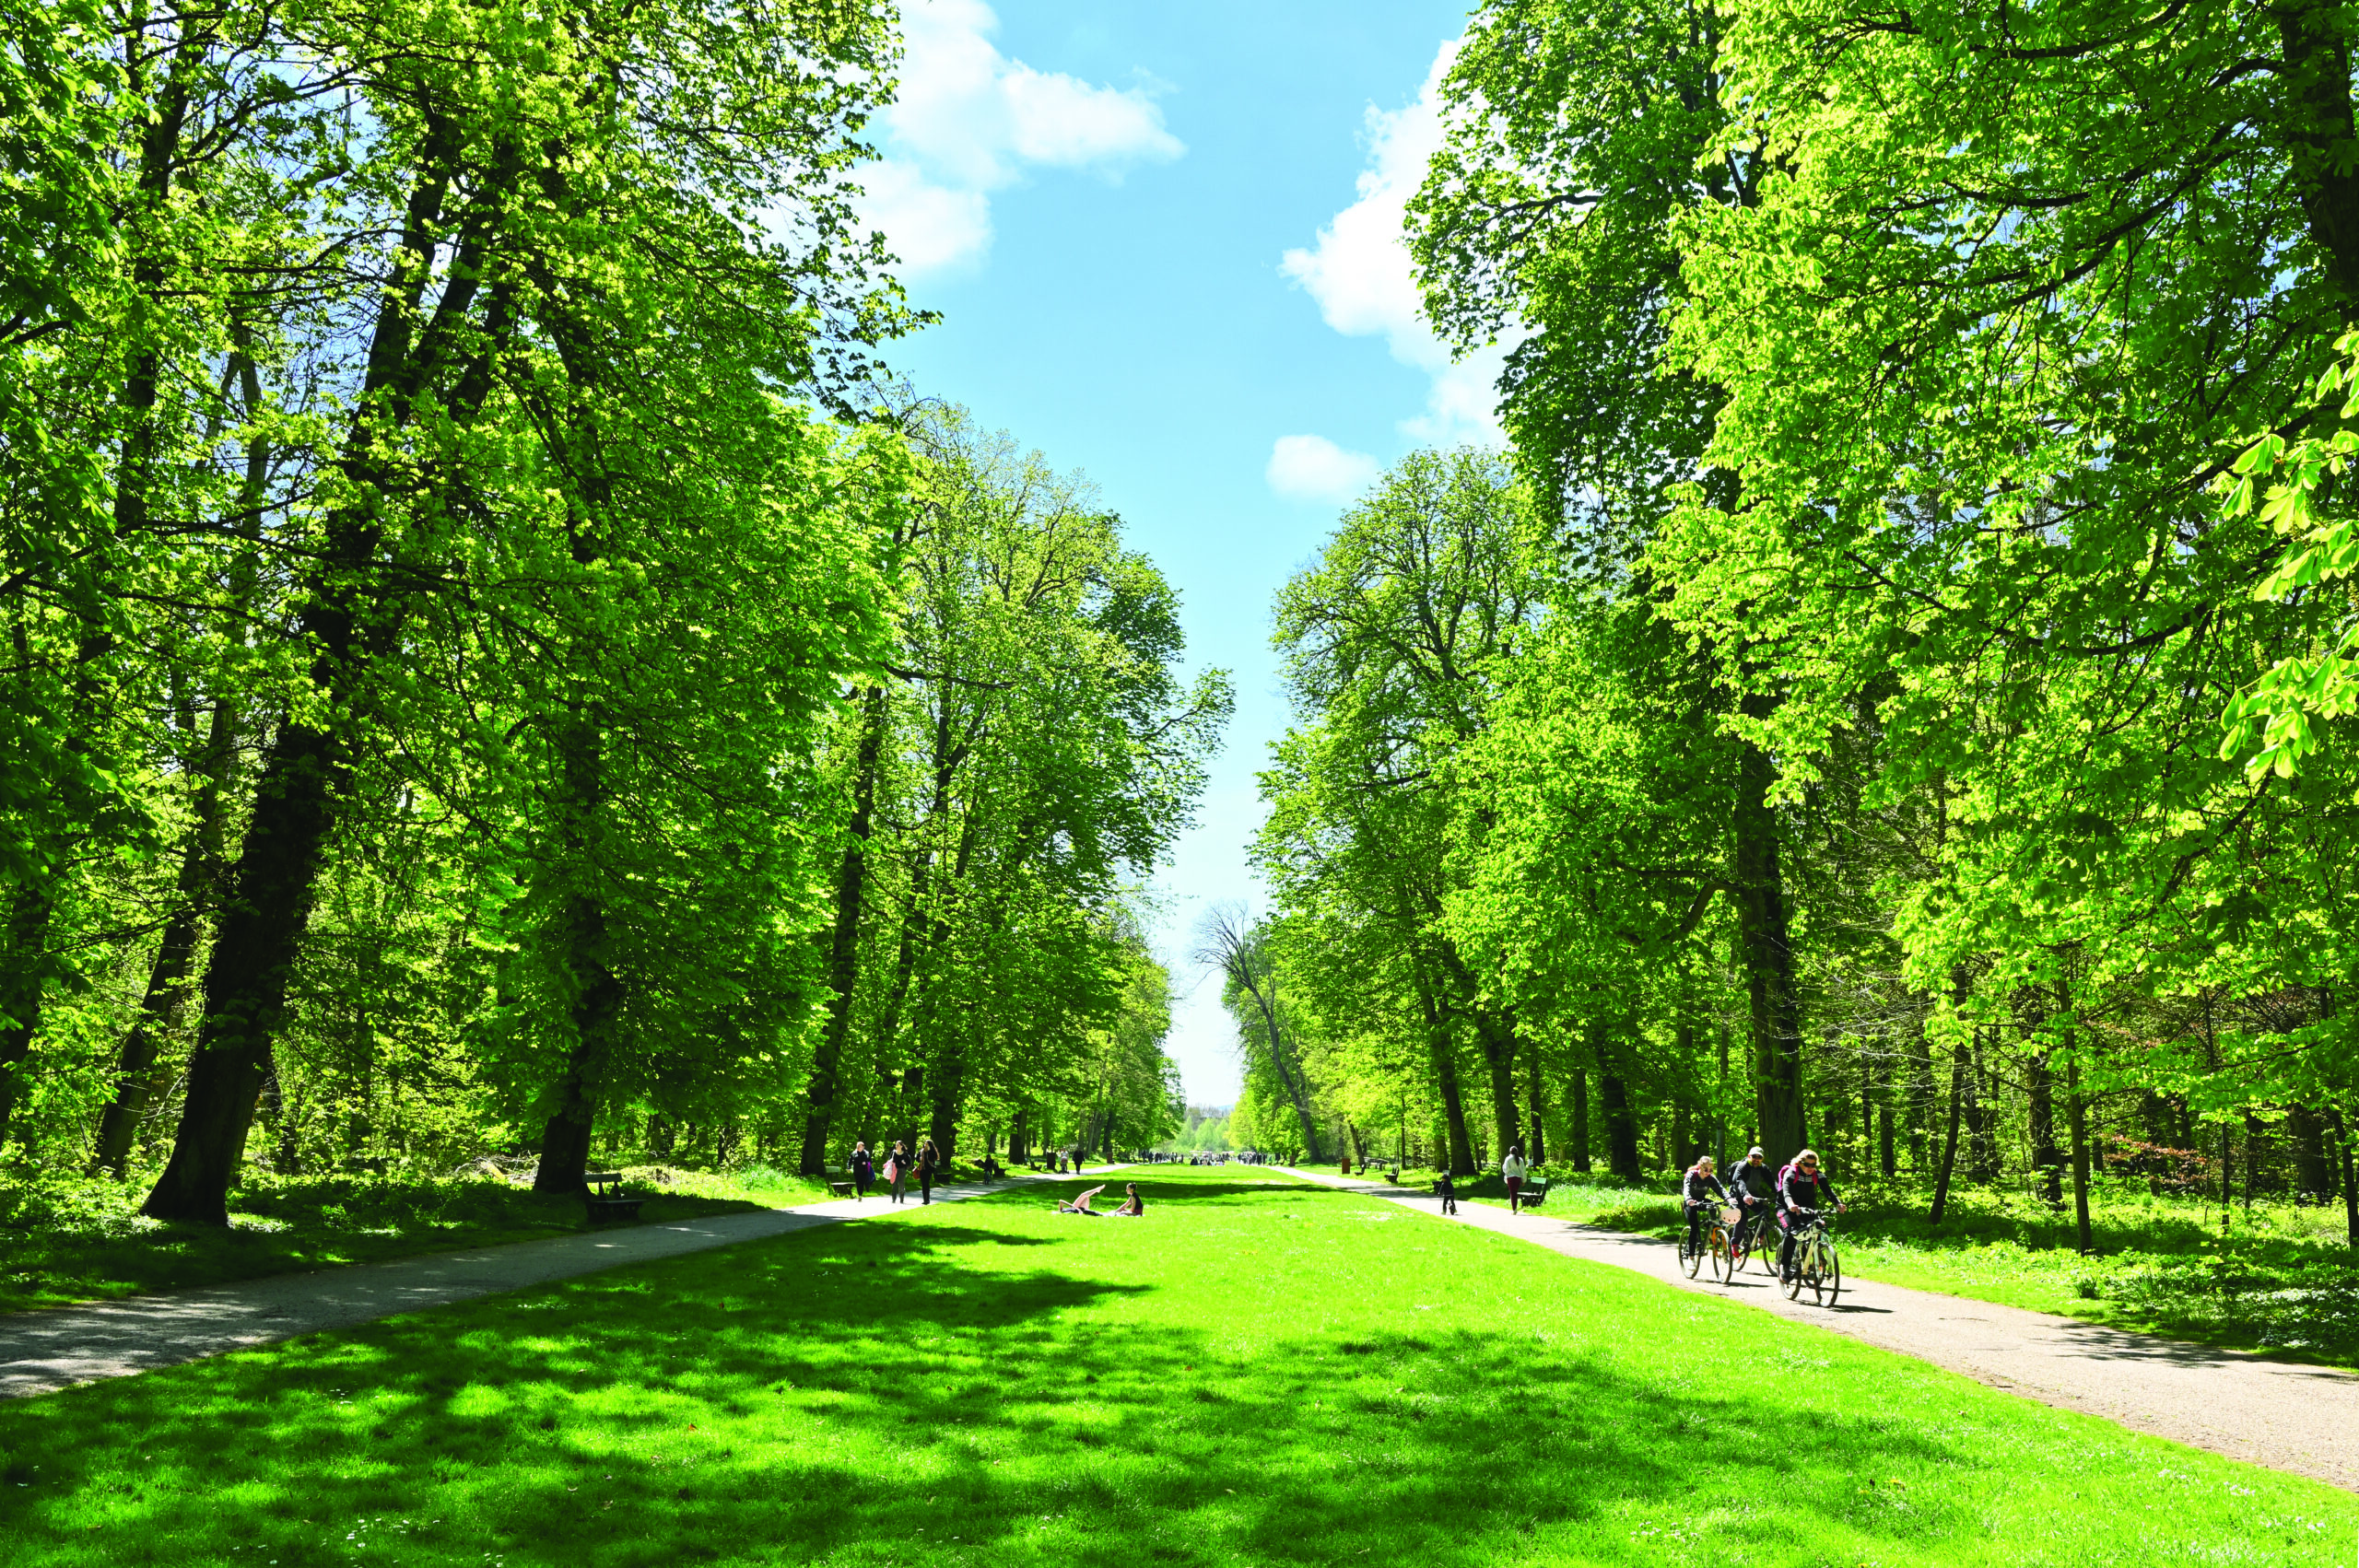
(1081, 1204)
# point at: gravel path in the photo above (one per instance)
(46, 1350)
(2303, 1419)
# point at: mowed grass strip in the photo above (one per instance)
(1256, 1373)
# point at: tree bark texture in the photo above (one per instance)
(1621, 1126)
(843, 946)
(1538, 1148)
(1578, 1085)
(297, 794)
(1961, 1063)
(1443, 1050)
(1775, 1007)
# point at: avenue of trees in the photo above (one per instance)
(486, 667)
(1888, 696)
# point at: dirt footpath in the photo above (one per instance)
(2303, 1419)
(46, 1350)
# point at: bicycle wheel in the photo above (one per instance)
(1690, 1255)
(1830, 1276)
(1722, 1264)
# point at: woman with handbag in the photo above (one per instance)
(897, 1170)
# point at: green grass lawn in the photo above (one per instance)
(68, 1241)
(2282, 1283)
(1256, 1373)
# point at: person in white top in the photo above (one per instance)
(1511, 1171)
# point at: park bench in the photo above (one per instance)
(840, 1188)
(603, 1191)
(1535, 1191)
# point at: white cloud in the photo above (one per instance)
(968, 121)
(931, 226)
(1313, 468)
(1358, 272)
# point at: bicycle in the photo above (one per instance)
(1816, 1268)
(1752, 1237)
(1712, 1241)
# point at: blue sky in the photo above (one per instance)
(1163, 239)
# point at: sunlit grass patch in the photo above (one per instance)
(69, 1239)
(2281, 1281)
(1256, 1373)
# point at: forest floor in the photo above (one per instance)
(76, 1240)
(1262, 1371)
(2281, 1281)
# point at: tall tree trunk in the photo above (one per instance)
(1443, 1051)
(198, 887)
(2342, 1141)
(1961, 1062)
(1578, 1085)
(296, 796)
(1881, 1071)
(950, 1084)
(1982, 1145)
(2077, 1113)
(21, 1003)
(1775, 1007)
(167, 994)
(1538, 1147)
(1497, 1037)
(1621, 1127)
(1719, 1116)
(843, 949)
(2313, 1176)
(598, 992)
(1920, 1100)
(2046, 1160)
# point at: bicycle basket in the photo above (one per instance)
(1729, 1216)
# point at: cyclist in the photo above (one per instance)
(1802, 1193)
(1754, 1185)
(1702, 1192)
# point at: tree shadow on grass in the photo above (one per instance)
(1041, 1194)
(867, 1395)
(85, 1240)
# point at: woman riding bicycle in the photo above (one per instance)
(1702, 1192)
(1802, 1193)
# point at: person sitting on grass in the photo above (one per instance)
(1134, 1206)
(1081, 1204)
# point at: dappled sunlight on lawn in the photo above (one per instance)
(1255, 1372)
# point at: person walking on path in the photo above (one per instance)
(1511, 1170)
(929, 1161)
(863, 1171)
(897, 1170)
(1447, 1191)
